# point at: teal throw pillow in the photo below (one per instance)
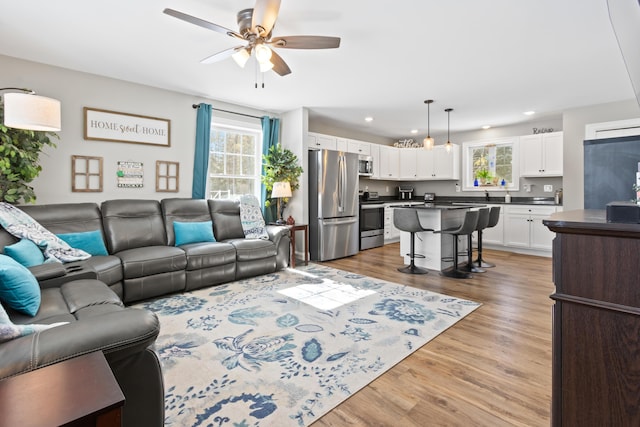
(25, 252)
(19, 288)
(193, 232)
(89, 241)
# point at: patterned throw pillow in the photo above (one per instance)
(251, 218)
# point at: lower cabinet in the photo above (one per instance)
(391, 233)
(523, 227)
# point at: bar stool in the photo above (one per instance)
(406, 219)
(467, 227)
(483, 220)
(494, 217)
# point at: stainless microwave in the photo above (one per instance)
(365, 165)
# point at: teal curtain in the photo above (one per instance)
(270, 136)
(201, 156)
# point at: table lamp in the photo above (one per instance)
(280, 190)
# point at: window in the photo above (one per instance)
(235, 160)
(491, 165)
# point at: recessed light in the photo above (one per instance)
(368, 119)
(414, 131)
(529, 113)
(485, 127)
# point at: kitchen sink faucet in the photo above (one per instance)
(486, 195)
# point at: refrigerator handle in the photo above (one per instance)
(341, 184)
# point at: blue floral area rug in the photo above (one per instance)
(243, 354)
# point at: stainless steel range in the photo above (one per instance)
(371, 222)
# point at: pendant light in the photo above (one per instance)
(448, 145)
(428, 142)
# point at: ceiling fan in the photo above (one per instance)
(255, 28)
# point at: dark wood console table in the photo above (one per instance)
(78, 392)
(596, 320)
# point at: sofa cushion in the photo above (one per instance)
(183, 210)
(193, 232)
(25, 252)
(226, 219)
(89, 241)
(9, 330)
(205, 255)
(150, 260)
(130, 224)
(18, 287)
(108, 268)
(253, 249)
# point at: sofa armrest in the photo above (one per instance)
(48, 271)
(118, 334)
(276, 232)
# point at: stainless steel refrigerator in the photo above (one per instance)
(333, 204)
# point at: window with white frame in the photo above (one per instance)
(491, 165)
(235, 160)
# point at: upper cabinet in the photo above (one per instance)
(359, 147)
(388, 163)
(541, 154)
(435, 164)
(317, 141)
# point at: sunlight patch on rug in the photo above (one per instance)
(257, 352)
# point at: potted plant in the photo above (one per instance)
(19, 161)
(280, 165)
(484, 176)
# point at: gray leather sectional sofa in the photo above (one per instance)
(142, 262)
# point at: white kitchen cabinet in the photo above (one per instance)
(318, 141)
(523, 227)
(541, 154)
(495, 235)
(389, 162)
(359, 147)
(409, 162)
(436, 164)
(391, 233)
(342, 145)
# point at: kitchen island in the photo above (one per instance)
(435, 246)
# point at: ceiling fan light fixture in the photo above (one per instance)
(241, 57)
(263, 53)
(265, 66)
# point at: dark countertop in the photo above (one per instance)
(590, 221)
(544, 201)
(441, 206)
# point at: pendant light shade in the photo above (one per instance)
(428, 142)
(30, 111)
(448, 146)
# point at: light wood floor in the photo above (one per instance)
(493, 368)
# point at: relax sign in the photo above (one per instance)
(103, 125)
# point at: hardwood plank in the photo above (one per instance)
(493, 368)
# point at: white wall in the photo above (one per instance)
(76, 90)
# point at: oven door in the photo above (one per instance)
(371, 217)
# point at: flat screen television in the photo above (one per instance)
(610, 167)
(625, 20)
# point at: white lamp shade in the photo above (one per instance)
(281, 189)
(428, 143)
(263, 53)
(241, 57)
(33, 112)
(265, 66)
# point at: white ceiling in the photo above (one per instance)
(489, 60)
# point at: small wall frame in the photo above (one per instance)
(86, 174)
(167, 176)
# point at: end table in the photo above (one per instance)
(299, 227)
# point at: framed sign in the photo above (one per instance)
(130, 174)
(104, 125)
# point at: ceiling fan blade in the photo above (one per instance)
(279, 66)
(306, 42)
(265, 14)
(202, 23)
(220, 56)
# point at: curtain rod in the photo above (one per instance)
(196, 106)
